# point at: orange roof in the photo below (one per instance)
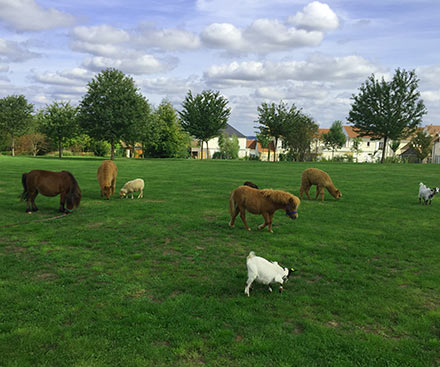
(433, 129)
(350, 132)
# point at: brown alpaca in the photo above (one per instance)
(106, 175)
(314, 176)
(264, 202)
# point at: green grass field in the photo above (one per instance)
(159, 281)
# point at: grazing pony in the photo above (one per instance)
(315, 176)
(264, 202)
(50, 183)
(106, 175)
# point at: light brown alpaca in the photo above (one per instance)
(315, 176)
(106, 175)
(264, 202)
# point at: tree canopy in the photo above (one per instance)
(387, 110)
(422, 144)
(273, 120)
(15, 117)
(335, 138)
(58, 122)
(165, 137)
(203, 116)
(300, 131)
(111, 107)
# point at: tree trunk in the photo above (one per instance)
(201, 149)
(384, 147)
(275, 150)
(268, 152)
(207, 150)
(112, 150)
(13, 146)
(60, 149)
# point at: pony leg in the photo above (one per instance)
(62, 202)
(113, 186)
(243, 218)
(306, 190)
(266, 217)
(141, 195)
(232, 221)
(31, 200)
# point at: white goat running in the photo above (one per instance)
(131, 187)
(265, 272)
(426, 193)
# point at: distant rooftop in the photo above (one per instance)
(230, 131)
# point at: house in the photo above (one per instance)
(208, 151)
(254, 149)
(434, 131)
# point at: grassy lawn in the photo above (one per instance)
(159, 281)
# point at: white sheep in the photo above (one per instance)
(131, 187)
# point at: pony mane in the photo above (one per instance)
(277, 196)
(74, 195)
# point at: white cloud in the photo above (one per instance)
(262, 36)
(171, 86)
(166, 39)
(73, 78)
(352, 69)
(316, 16)
(14, 51)
(102, 34)
(145, 64)
(27, 15)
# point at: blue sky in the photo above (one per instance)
(314, 54)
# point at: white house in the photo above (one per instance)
(208, 151)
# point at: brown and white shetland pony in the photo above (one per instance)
(265, 202)
(50, 183)
(106, 175)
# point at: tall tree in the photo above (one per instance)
(229, 146)
(111, 107)
(356, 146)
(203, 116)
(335, 138)
(265, 141)
(59, 123)
(422, 144)
(300, 132)
(15, 117)
(388, 110)
(273, 120)
(166, 137)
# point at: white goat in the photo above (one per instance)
(131, 187)
(266, 272)
(426, 193)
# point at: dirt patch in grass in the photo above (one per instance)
(14, 249)
(46, 276)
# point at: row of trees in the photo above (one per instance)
(114, 110)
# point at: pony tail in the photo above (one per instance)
(24, 195)
(232, 204)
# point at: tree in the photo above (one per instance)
(394, 145)
(111, 107)
(265, 141)
(59, 123)
(15, 117)
(300, 131)
(273, 120)
(387, 110)
(422, 144)
(204, 115)
(356, 147)
(229, 146)
(335, 138)
(165, 137)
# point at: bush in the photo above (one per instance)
(100, 148)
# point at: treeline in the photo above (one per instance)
(113, 111)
